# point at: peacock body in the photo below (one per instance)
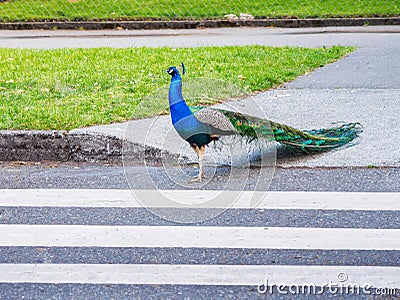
(201, 125)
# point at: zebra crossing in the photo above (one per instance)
(80, 241)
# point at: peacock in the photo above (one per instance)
(201, 125)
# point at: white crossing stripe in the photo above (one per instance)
(199, 236)
(229, 199)
(375, 276)
(221, 237)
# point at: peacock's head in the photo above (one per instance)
(173, 71)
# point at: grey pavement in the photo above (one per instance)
(100, 176)
(307, 37)
(110, 291)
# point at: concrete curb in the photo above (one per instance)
(64, 146)
(23, 145)
(33, 145)
(193, 24)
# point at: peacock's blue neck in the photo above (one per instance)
(185, 123)
(178, 107)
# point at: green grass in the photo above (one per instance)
(70, 88)
(29, 10)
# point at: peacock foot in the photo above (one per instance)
(198, 178)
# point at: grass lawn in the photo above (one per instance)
(28, 10)
(71, 88)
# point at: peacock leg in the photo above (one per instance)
(200, 156)
(201, 162)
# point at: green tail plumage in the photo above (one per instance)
(316, 140)
(306, 141)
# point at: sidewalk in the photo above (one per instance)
(363, 87)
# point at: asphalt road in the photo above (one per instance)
(92, 176)
(306, 37)
(79, 269)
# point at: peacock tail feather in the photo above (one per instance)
(307, 141)
(316, 140)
